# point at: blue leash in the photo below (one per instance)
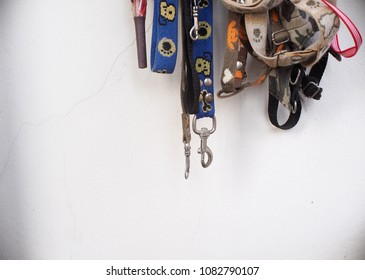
(203, 56)
(197, 90)
(164, 36)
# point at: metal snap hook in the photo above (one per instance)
(194, 31)
(204, 150)
(187, 149)
(205, 162)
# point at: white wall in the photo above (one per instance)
(92, 163)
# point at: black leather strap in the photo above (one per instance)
(190, 87)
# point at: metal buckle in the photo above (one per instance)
(277, 32)
(204, 133)
(318, 89)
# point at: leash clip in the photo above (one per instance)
(187, 149)
(194, 31)
(204, 133)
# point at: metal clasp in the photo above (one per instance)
(194, 31)
(187, 149)
(204, 150)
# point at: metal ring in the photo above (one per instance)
(211, 131)
(294, 107)
(194, 31)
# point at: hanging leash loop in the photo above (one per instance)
(164, 41)
(355, 33)
(204, 133)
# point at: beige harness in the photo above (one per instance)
(286, 37)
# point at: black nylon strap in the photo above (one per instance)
(190, 87)
(297, 74)
(310, 82)
(273, 114)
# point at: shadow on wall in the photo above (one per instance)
(361, 255)
(13, 232)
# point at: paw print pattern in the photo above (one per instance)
(258, 35)
(205, 30)
(167, 12)
(166, 47)
(313, 4)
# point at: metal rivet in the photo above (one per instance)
(239, 65)
(207, 82)
(209, 97)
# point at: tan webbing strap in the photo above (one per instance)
(256, 26)
(324, 20)
(328, 24)
(235, 55)
(279, 43)
(300, 27)
(235, 58)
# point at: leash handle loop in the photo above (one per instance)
(164, 42)
(355, 33)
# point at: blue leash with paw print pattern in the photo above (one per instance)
(164, 36)
(197, 87)
(202, 35)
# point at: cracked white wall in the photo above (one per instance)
(92, 163)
